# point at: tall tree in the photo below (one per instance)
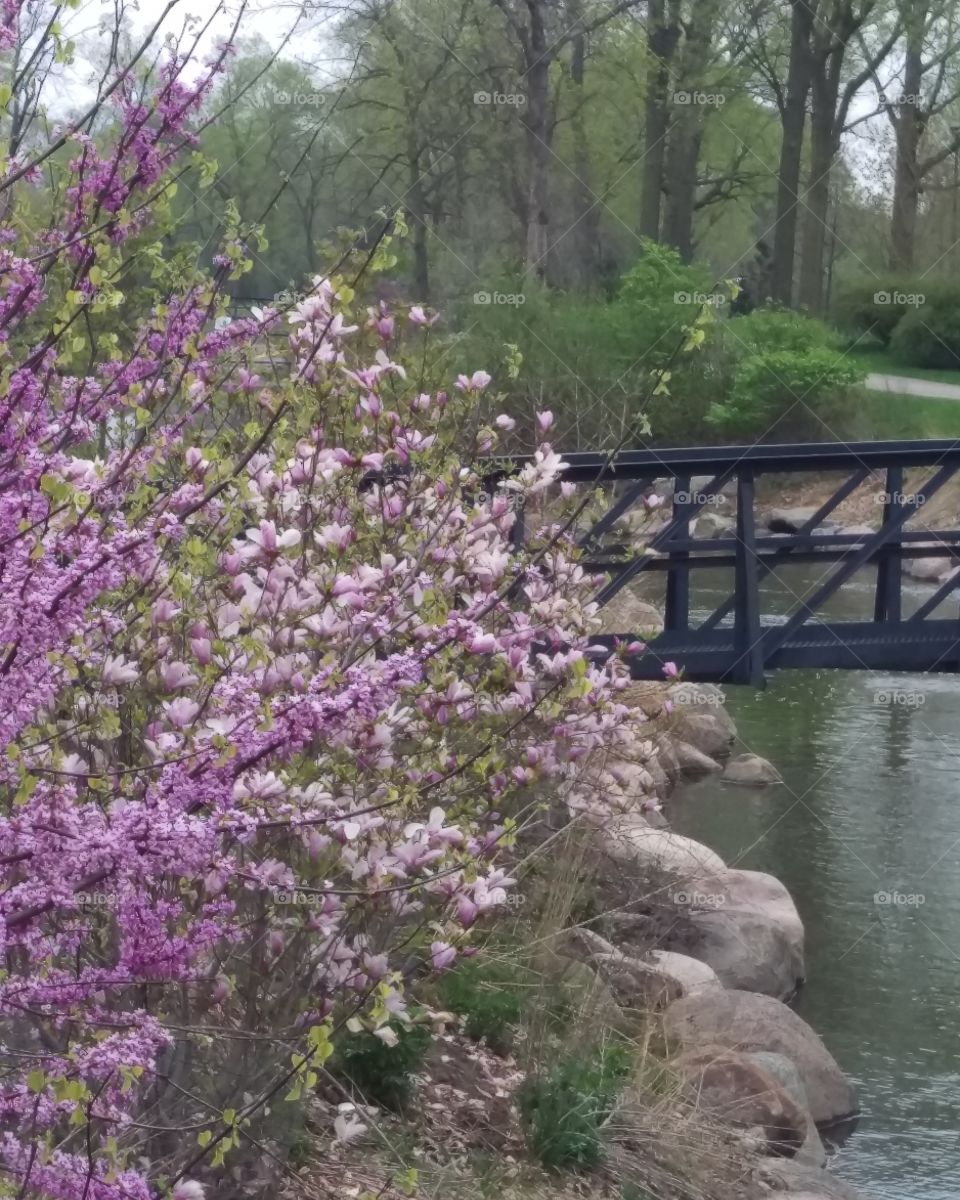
(836, 25)
(663, 33)
(542, 31)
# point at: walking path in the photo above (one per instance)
(902, 385)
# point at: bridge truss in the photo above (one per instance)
(739, 641)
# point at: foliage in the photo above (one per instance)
(872, 307)
(491, 994)
(785, 377)
(382, 1073)
(271, 700)
(564, 1109)
(929, 334)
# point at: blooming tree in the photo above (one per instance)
(276, 687)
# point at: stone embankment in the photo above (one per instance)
(726, 962)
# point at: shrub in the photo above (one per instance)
(772, 329)
(491, 995)
(255, 740)
(778, 390)
(929, 334)
(384, 1074)
(563, 1110)
(873, 307)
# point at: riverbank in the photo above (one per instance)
(730, 960)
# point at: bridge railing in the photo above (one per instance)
(736, 641)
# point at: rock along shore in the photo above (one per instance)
(727, 962)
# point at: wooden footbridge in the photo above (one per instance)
(739, 641)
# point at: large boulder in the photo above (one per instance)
(632, 839)
(701, 719)
(748, 1022)
(747, 928)
(930, 569)
(688, 973)
(750, 770)
(791, 520)
(798, 1180)
(714, 525)
(729, 1087)
(634, 984)
(693, 762)
(628, 614)
(787, 1075)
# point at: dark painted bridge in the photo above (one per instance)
(739, 642)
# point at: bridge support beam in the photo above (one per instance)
(676, 616)
(748, 667)
(887, 602)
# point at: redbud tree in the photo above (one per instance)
(277, 689)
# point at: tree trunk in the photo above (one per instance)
(683, 153)
(586, 214)
(816, 201)
(416, 206)
(793, 119)
(662, 35)
(681, 187)
(909, 130)
(537, 124)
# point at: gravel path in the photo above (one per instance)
(903, 386)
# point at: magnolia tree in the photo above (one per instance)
(276, 688)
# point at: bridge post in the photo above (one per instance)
(748, 666)
(887, 602)
(676, 615)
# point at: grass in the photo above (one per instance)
(888, 416)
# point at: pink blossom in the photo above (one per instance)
(442, 955)
(473, 383)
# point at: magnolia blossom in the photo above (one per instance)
(268, 541)
(418, 316)
(442, 955)
(346, 1125)
(116, 670)
(188, 1189)
(473, 383)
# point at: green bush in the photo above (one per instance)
(772, 329)
(782, 392)
(929, 334)
(873, 307)
(491, 995)
(563, 1110)
(382, 1074)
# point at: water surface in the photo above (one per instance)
(865, 832)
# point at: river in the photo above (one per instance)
(865, 832)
